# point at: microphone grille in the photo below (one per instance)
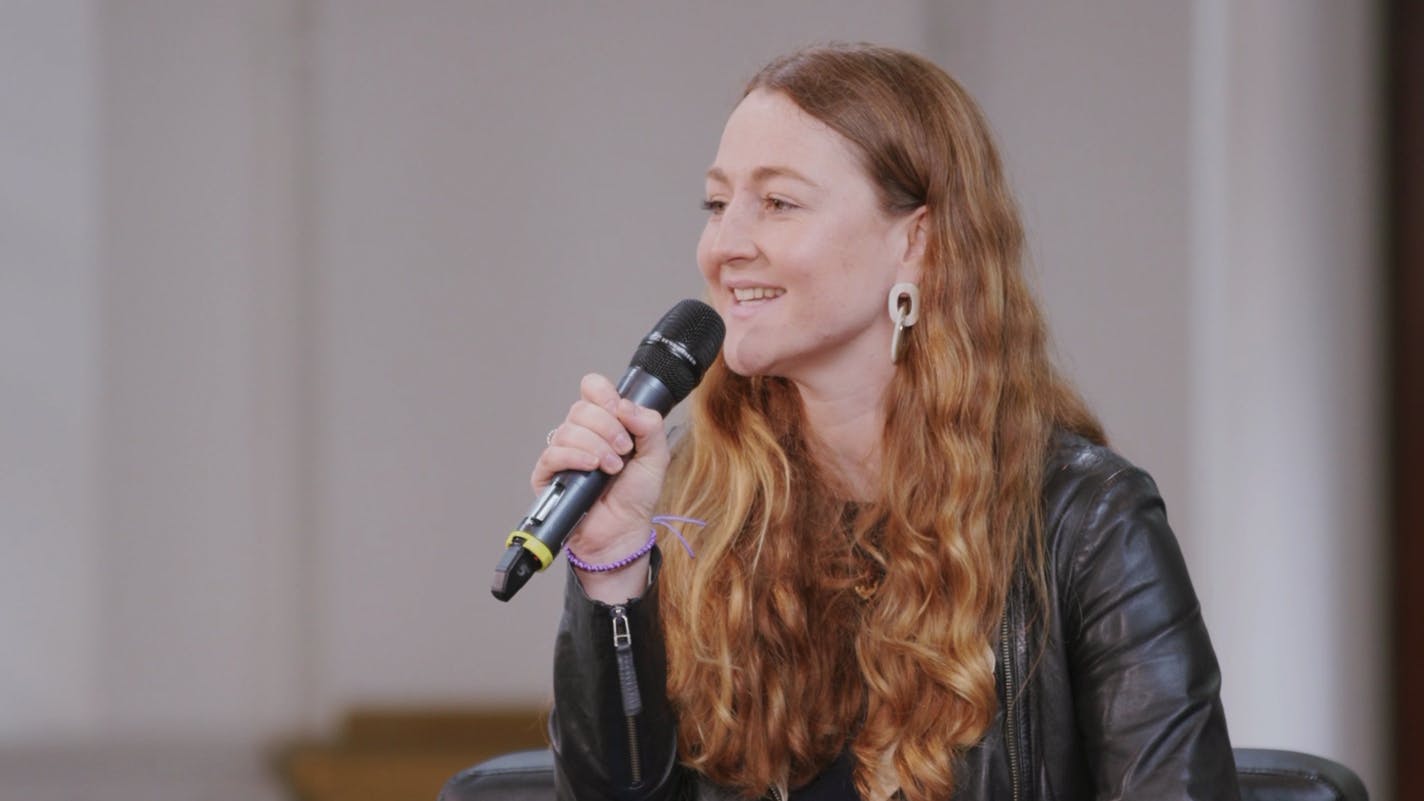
(681, 347)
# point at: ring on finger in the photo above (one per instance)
(549, 437)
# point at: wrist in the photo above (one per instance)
(601, 562)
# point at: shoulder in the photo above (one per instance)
(1102, 516)
(1081, 476)
(1075, 463)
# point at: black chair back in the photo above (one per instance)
(1270, 775)
(1265, 775)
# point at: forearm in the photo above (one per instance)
(612, 729)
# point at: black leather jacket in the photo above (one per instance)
(1117, 699)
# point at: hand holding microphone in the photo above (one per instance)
(601, 430)
(588, 450)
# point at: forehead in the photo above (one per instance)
(767, 129)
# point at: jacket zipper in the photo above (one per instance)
(1010, 731)
(628, 688)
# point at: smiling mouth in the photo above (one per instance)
(749, 294)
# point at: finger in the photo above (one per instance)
(598, 420)
(599, 391)
(578, 437)
(555, 459)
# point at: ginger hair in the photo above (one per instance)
(776, 662)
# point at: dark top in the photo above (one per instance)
(1108, 692)
(836, 782)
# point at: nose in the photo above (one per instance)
(732, 234)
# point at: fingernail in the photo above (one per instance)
(611, 462)
(622, 443)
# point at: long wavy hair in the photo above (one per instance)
(807, 623)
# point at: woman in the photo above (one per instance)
(920, 570)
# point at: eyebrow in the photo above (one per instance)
(765, 173)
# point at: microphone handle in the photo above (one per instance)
(562, 506)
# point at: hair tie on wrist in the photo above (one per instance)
(663, 520)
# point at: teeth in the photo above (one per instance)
(757, 293)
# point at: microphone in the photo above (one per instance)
(668, 363)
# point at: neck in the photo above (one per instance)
(846, 420)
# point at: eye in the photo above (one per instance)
(779, 204)
(714, 207)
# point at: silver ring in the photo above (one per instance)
(549, 437)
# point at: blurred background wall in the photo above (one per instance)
(290, 291)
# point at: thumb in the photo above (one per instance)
(646, 426)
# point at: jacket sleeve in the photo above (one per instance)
(1145, 679)
(612, 731)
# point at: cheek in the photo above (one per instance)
(705, 265)
(867, 258)
(827, 264)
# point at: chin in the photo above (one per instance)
(746, 364)
(739, 367)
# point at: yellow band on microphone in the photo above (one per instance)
(532, 544)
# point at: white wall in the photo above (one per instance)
(1288, 456)
(201, 609)
(301, 284)
(508, 199)
(49, 382)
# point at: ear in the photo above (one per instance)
(914, 235)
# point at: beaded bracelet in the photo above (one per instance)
(618, 565)
(661, 520)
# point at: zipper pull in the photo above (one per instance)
(627, 674)
(628, 688)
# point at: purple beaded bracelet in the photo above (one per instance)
(612, 566)
(661, 520)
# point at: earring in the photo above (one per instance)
(902, 295)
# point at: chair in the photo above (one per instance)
(1269, 775)
(1265, 775)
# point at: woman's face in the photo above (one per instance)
(797, 253)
